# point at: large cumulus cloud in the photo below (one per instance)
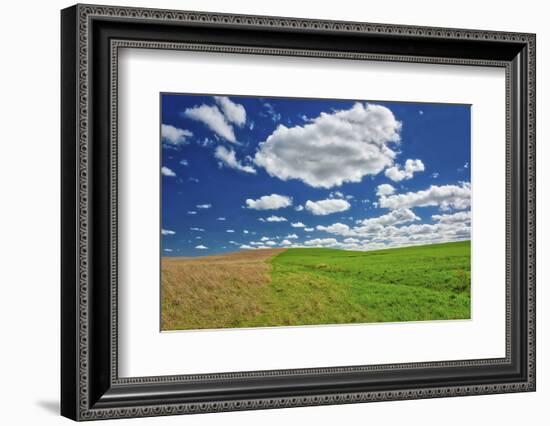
(334, 148)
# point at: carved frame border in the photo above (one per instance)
(87, 12)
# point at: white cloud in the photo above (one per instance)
(372, 226)
(435, 175)
(291, 237)
(395, 217)
(426, 233)
(334, 148)
(328, 206)
(336, 228)
(269, 202)
(246, 247)
(339, 194)
(286, 243)
(299, 208)
(385, 189)
(392, 236)
(309, 229)
(197, 229)
(276, 219)
(201, 247)
(204, 206)
(168, 250)
(264, 239)
(167, 172)
(458, 217)
(322, 242)
(351, 240)
(265, 243)
(297, 225)
(167, 232)
(191, 212)
(394, 229)
(260, 246)
(235, 113)
(173, 135)
(184, 162)
(228, 158)
(245, 231)
(213, 118)
(221, 218)
(230, 231)
(397, 174)
(446, 197)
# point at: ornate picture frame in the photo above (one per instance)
(91, 38)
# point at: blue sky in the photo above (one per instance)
(255, 172)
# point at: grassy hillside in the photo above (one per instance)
(326, 286)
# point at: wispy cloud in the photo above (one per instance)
(213, 118)
(219, 118)
(270, 109)
(233, 112)
(167, 172)
(228, 158)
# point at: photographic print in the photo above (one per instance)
(283, 211)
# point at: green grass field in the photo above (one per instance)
(328, 286)
(325, 286)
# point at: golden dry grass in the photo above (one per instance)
(214, 291)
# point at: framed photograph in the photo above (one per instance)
(263, 212)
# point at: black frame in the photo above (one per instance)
(91, 37)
